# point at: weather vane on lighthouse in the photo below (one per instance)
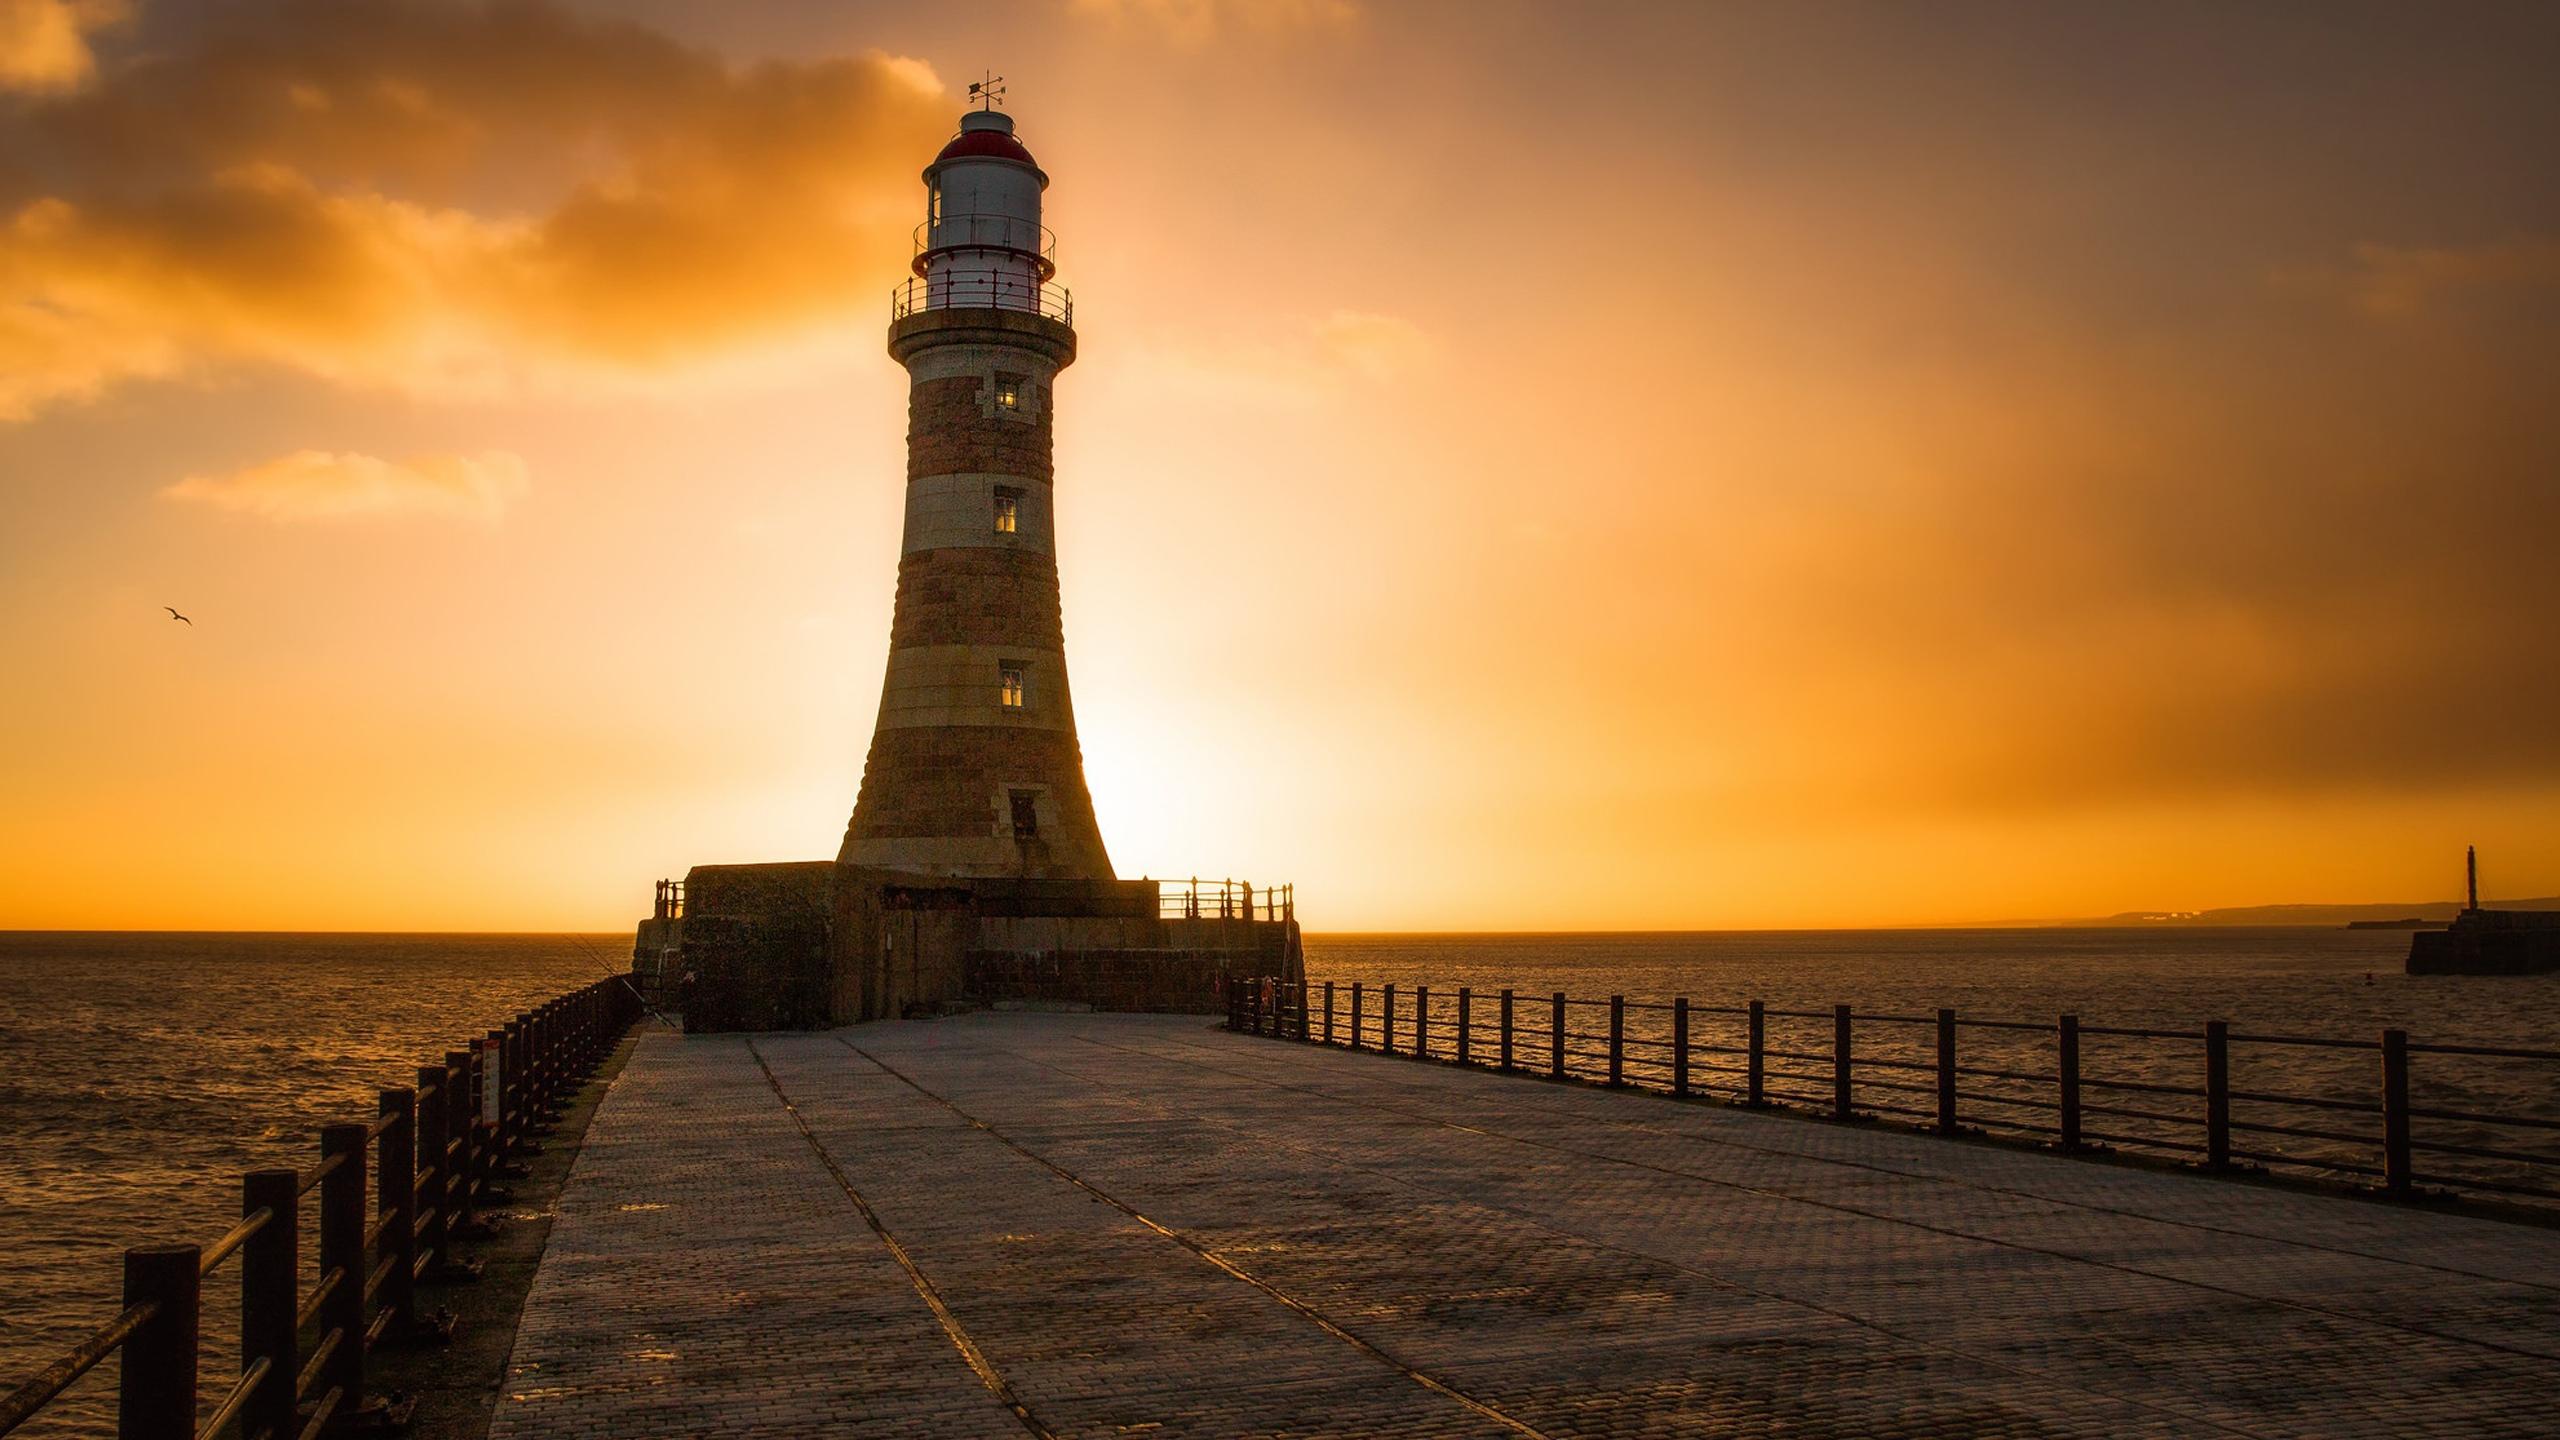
(989, 92)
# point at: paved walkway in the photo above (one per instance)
(1094, 1224)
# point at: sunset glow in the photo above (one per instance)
(1527, 466)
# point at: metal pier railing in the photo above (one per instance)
(394, 1196)
(2400, 1116)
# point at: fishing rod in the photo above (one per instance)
(624, 977)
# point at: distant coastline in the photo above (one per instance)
(2401, 913)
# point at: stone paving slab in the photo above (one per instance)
(1103, 1225)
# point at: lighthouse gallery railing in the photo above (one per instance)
(982, 292)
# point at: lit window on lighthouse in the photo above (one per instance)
(1008, 391)
(1008, 511)
(1011, 678)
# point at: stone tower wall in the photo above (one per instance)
(948, 754)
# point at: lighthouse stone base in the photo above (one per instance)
(816, 944)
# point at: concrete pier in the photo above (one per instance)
(1098, 1224)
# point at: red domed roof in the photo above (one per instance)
(985, 145)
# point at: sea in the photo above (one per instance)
(140, 1074)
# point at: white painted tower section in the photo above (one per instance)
(982, 245)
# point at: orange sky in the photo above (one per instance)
(1529, 465)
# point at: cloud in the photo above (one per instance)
(1377, 347)
(1298, 364)
(1194, 22)
(445, 199)
(2285, 550)
(316, 485)
(44, 44)
(2403, 281)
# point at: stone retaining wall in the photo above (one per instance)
(1186, 982)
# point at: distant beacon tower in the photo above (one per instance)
(974, 767)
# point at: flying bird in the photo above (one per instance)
(174, 615)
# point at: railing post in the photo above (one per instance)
(2067, 1073)
(460, 1112)
(1465, 996)
(2217, 1093)
(2397, 1176)
(1386, 1019)
(559, 1025)
(1235, 1005)
(519, 1140)
(1506, 1030)
(499, 1067)
(1328, 1012)
(1946, 1072)
(1680, 1046)
(1421, 1022)
(1556, 1021)
(537, 1068)
(1305, 993)
(1355, 1014)
(1842, 1106)
(342, 1249)
(156, 1389)
(270, 1297)
(1617, 1039)
(434, 1235)
(482, 1167)
(541, 1058)
(553, 1061)
(529, 1072)
(395, 1185)
(1754, 1064)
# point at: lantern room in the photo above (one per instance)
(982, 244)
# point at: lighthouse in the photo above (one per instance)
(972, 872)
(974, 768)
